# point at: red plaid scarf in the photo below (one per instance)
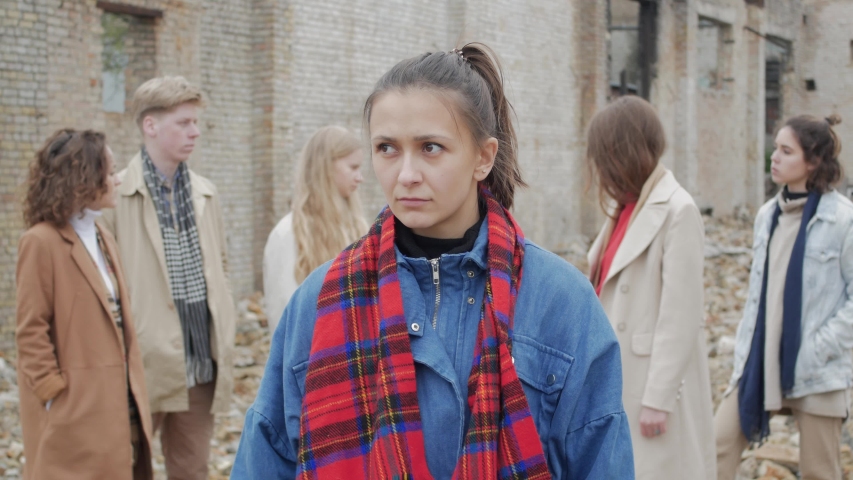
(360, 415)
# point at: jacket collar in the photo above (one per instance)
(87, 266)
(826, 212)
(133, 181)
(478, 255)
(827, 207)
(642, 230)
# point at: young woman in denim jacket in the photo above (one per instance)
(792, 353)
(442, 344)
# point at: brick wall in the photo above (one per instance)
(275, 71)
(23, 106)
(826, 56)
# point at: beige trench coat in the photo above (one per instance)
(137, 231)
(653, 298)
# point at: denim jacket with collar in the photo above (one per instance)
(564, 351)
(824, 362)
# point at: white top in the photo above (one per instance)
(279, 266)
(84, 225)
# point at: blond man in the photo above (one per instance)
(169, 229)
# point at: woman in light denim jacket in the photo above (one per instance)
(792, 354)
(430, 317)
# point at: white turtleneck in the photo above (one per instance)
(84, 224)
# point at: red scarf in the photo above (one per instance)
(360, 414)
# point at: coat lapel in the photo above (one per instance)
(121, 286)
(645, 226)
(200, 193)
(594, 253)
(134, 184)
(87, 266)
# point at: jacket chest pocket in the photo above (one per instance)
(543, 372)
(821, 266)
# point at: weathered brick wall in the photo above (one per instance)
(23, 103)
(338, 50)
(274, 71)
(826, 56)
(721, 112)
(50, 77)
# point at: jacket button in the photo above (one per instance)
(513, 360)
(416, 327)
(171, 306)
(621, 326)
(470, 274)
(470, 300)
(624, 288)
(551, 379)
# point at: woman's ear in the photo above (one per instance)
(486, 159)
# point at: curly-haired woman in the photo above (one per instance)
(84, 407)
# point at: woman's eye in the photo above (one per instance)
(385, 148)
(432, 148)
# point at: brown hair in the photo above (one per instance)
(162, 94)
(473, 78)
(624, 144)
(67, 174)
(821, 147)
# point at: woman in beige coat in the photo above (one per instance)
(84, 407)
(646, 266)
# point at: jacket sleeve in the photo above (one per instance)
(37, 360)
(601, 449)
(835, 337)
(598, 440)
(681, 310)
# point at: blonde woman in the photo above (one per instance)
(326, 216)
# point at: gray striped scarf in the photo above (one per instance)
(186, 270)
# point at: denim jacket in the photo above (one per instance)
(824, 362)
(564, 350)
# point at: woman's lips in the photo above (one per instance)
(411, 201)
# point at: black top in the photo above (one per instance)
(793, 195)
(415, 246)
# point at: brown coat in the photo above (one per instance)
(69, 350)
(653, 298)
(140, 243)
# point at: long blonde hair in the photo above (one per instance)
(324, 222)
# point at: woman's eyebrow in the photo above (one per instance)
(431, 136)
(419, 138)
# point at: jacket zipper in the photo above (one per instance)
(437, 282)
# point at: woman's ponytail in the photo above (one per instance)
(505, 174)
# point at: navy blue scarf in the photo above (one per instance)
(754, 420)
